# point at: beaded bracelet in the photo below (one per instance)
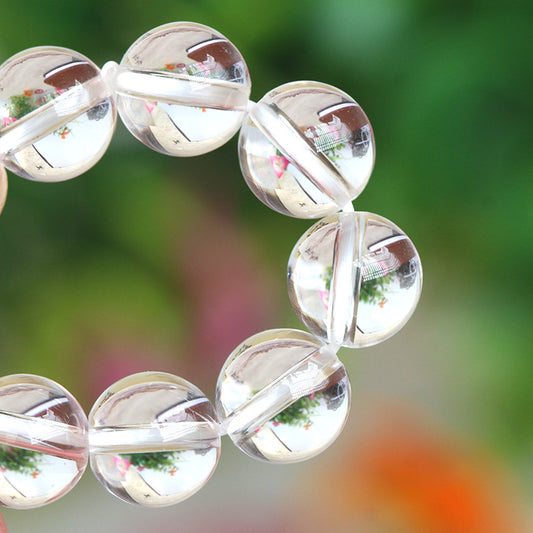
(306, 150)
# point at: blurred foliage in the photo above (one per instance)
(95, 262)
(158, 461)
(19, 460)
(299, 413)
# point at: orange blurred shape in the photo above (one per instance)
(403, 478)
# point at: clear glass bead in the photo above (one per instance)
(57, 115)
(43, 441)
(354, 279)
(154, 439)
(3, 187)
(306, 149)
(182, 89)
(283, 396)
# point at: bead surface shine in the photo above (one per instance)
(182, 89)
(154, 439)
(306, 149)
(283, 396)
(354, 279)
(3, 187)
(43, 441)
(57, 115)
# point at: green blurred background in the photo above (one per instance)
(148, 262)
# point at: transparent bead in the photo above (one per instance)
(3, 187)
(182, 89)
(284, 396)
(354, 279)
(154, 439)
(57, 116)
(43, 441)
(306, 149)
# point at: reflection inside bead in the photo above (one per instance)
(305, 424)
(344, 132)
(156, 478)
(30, 478)
(391, 280)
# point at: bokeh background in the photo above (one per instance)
(154, 263)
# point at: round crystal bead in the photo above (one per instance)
(306, 149)
(182, 89)
(43, 441)
(154, 439)
(283, 396)
(354, 279)
(57, 116)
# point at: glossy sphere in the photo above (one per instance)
(154, 439)
(284, 396)
(57, 116)
(3, 188)
(354, 279)
(306, 149)
(43, 441)
(182, 89)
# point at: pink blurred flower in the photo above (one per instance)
(279, 164)
(122, 464)
(231, 298)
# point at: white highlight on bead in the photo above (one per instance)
(348, 208)
(40, 434)
(173, 88)
(345, 280)
(152, 437)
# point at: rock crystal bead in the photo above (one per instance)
(182, 89)
(43, 441)
(57, 116)
(283, 396)
(354, 279)
(306, 149)
(154, 439)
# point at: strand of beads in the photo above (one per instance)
(306, 150)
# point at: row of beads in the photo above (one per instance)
(306, 150)
(154, 439)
